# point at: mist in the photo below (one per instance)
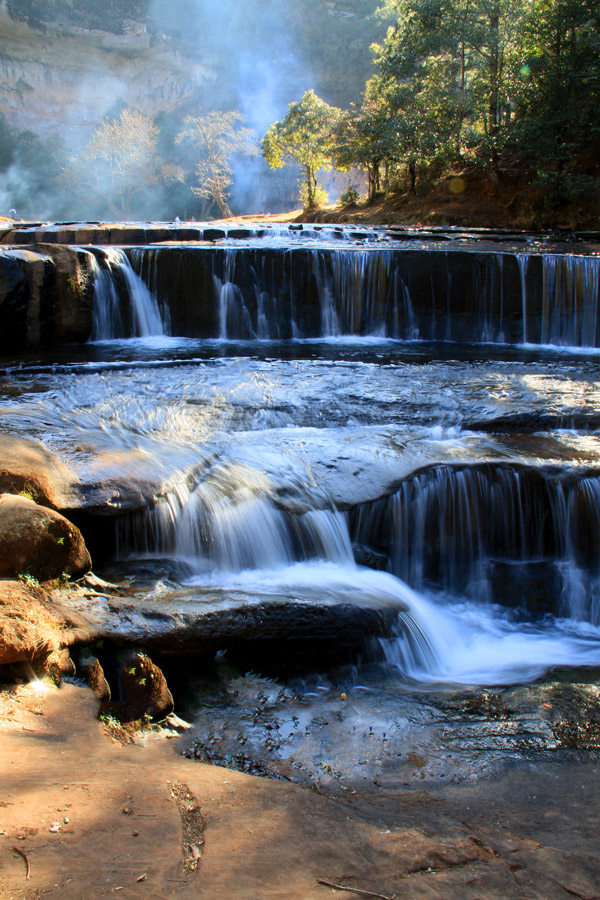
(169, 61)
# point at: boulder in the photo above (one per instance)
(145, 690)
(39, 543)
(28, 467)
(58, 664)
(96, 680)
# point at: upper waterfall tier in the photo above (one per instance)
(269, 293)
(313, 282)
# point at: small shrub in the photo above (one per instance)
(320, 196)
(350, 197)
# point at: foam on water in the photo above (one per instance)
(436, 643)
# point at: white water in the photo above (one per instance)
(236, 539)
(436, 644)
(110, 320)
(379, 293)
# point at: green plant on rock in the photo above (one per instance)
(28, 579)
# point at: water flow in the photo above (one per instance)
(519, 537)
(571, 293)
(232, 537)
(311, 292)
(113, 318)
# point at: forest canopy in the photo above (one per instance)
(495, 86)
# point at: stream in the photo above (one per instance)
(447, 489)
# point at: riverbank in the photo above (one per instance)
(84, 817)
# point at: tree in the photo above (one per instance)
(122, 162)
(367, 137)
(217, 139)
(558, 125)
(306, 135)
(457, 56)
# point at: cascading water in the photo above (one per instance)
(139, 316)
(245, 293)
(493, 533)
(571, 296)
(307, 292)
(255, 457)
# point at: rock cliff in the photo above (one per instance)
(67, 79)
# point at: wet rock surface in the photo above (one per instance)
(38, 542)
(202, 622)
(46, 296)
(377, 736)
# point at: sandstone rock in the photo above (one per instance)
(96, 680)
(26, 466)
(145, 691)
(28, 627)
(38, 541)
(32, 625)
(46, 295)
(58, 664)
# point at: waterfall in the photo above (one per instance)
(306, 292)
(519, 537)
(571, 293)
(523, 261)
(113, 318)
(230, 523)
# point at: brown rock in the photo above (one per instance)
(38, 541)
(28, 626)
(32, 625)
(97, 681)
(26, 466)
(145, 691)
(58, 664)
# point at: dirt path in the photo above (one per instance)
(144, 822)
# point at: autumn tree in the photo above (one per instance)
(120, 163)
(216, 140)
(306, 135)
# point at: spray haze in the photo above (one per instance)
(66, 67)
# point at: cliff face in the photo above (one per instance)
(66, 80)
(65, 63)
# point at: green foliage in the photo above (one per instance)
(350, 197)
(28, 579)
(305, 135)
(485, 83)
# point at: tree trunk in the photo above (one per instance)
(412, 171)
(494, 82)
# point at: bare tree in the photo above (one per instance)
(121, 161)
(217, 138)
